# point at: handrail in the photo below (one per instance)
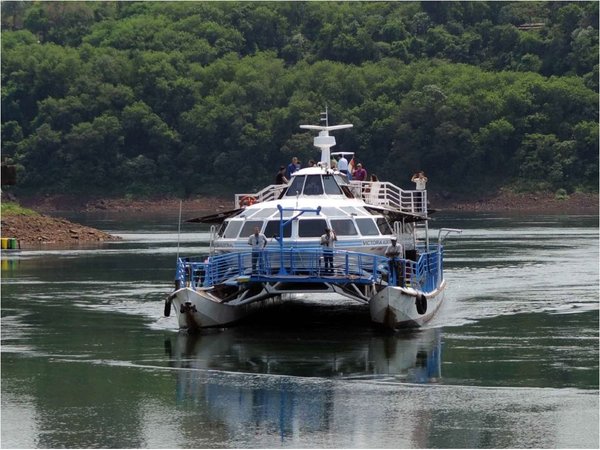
(383, 193)
(270, 192)
(376, 193)
(306, 265)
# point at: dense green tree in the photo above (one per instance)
(117, 97)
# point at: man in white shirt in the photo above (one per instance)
(258, 241)
(327, 241)
(342, 165)
(420, 181)
(394, 253)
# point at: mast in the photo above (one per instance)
(324, 141)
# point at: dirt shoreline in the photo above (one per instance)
(583, 203)
(31, 230)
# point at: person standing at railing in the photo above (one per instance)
(359, 174)
(280, 177)
(291, 168)
(327, 243)
(420, 181)
(258, 241)
(342, 165)
(395, 269)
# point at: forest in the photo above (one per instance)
(185, 98)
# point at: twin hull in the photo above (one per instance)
(393, 307)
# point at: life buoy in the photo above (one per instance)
(421, 303)
(247, 200)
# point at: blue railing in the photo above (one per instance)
(308, 265)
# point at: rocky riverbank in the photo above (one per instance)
(41, 229)
(540, 202)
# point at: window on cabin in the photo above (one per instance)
(383, 226)
(222, 228)
(331, 187)
(313, 185)
(233, 229)
(343, 227)
(263, 213)
(311, 227)
(248, 227)
(367, 227)
(272, 229)
(296, 186)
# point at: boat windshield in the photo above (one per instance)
(314, 185)
(296, 186)
(233, 229)
(331, 187)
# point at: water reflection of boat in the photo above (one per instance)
(412, 357)
(232, 282)
(244, 378)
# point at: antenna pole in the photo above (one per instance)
(324, 141)
(179, 229)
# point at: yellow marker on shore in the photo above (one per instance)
(9, 243)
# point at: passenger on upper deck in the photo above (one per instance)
(359, 174)
(342, 164)
(420, 180)
(280, 177)
(291, 168)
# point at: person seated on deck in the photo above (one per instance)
(327, 242)
(395, 269)
(258, 241)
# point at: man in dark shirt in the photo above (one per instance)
(280, 177)
(291, 168)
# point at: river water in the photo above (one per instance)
(510, 360)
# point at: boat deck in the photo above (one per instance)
(307, 265)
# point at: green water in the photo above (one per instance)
(511, 359)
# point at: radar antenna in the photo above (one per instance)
(324, 141)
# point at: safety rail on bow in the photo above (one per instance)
(307, 265)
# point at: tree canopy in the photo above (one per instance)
(181, 98)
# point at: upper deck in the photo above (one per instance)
(319, 183)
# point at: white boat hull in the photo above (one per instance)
(197, 309)
(396, 307)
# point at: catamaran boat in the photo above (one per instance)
(224, 287)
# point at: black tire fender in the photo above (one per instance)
(421, 303)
